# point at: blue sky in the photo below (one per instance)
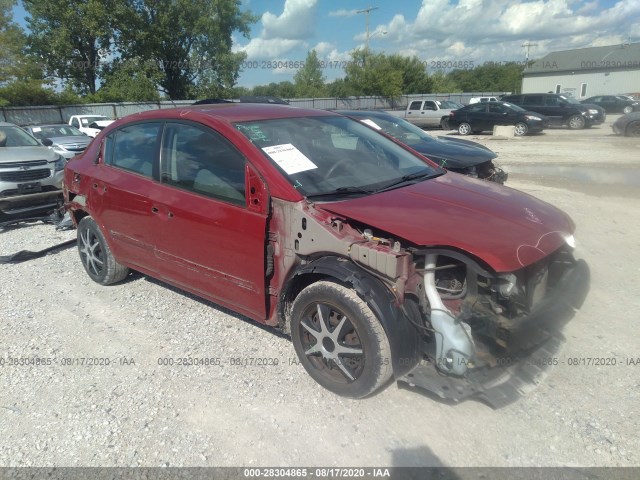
(438, 32)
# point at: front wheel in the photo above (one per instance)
(576, 122)
(521, 129)
(96, 256)
(627, 109)
(339, 340)
(633, 129)
(464, 128)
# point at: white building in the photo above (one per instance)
(586, 72)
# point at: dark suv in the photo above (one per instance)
(560, 109)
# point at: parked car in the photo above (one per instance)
(454, 154)
(30, 175)
(427, 113)
(66, 140)
(376, 262)
(627, 125)
(560, 109)
(479, 117)
(614, 103)
(90, 124)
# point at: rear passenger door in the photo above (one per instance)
(121, 186)
(210, 239)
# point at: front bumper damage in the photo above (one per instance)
(534, 342)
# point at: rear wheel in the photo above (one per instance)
(339, 340)
(521, 129)
(576, 122)
(633, 129)
(444, 124)
(464, 128)
(96, 257)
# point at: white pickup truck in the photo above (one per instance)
(428, 113)
(90, 124)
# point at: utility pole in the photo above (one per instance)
(366, 11)
(528, 46)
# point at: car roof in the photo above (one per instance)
(232, 112)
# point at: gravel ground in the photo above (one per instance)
(135, 412)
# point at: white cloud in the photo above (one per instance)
(323, 47)
(483, 30)
(295, 22)
(271, 48)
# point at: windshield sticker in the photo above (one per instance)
(371, 123)
(289, 158)
(254, 133)
(37, 129)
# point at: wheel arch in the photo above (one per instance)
(404, 339)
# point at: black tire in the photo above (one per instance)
(444, 124)
(464, 128)
(521, 129)
(576, 122)
(353, 374)
(96, 256)
(633, 129)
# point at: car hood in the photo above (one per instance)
(79, 139)
(25, 154)
(505, 228)
(454, 152)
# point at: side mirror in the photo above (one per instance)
(47, 142)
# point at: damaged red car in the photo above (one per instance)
(377, 262)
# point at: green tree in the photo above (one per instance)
(72, 39)
(309, 80)
(373, 74)
(414, 73)
(339, 88)
(489, 77)
(283, 89)
(188, 42)
(129, 81)
(442, 83)
(11, 43)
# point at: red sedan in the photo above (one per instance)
(376, 262)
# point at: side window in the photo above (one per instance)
(496, 108)
(202, 161)
(107, 150)
(429, 105)
(75, 123)
(415, 105)
(551, 101)
(533, 100)
(134, 148)
(515, 99)
(478, 107)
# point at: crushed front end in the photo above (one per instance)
(486, 335)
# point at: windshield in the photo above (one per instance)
(87, 120)
(570, 100)
(513, 107)
(448, 104)
(399, 129)
(330, 155)
(16, 137)
(51, 131)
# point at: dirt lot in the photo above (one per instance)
(135, 412)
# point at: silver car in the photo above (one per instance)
(66, 140)
(30, 175)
